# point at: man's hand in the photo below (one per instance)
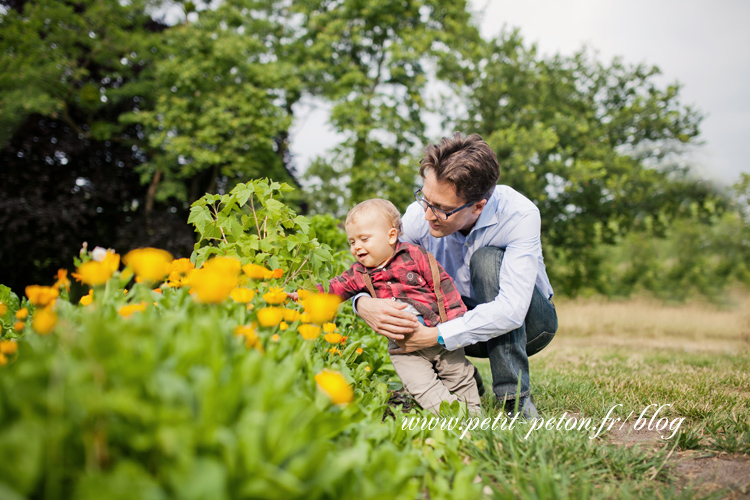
(386, 317)
(423, 337)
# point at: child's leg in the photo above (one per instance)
(457, 373)
(420, 380)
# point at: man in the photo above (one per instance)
(487, 237)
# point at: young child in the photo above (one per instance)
(401, 271)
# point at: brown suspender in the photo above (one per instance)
(435, 283)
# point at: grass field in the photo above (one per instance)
(694, 357)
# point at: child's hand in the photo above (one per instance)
(293, 295)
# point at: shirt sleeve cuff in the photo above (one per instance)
(451, 333)
(355, 299)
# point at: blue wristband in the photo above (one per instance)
(441, 341)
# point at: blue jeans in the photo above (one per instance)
(509, 353)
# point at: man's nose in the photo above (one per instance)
(429, 215)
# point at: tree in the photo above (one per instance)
(371, 61)
(70, 71)
(223, 101)
(595, 146)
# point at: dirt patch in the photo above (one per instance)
(709, 473)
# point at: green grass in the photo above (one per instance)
(583, 376)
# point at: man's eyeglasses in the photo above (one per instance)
(440, 214)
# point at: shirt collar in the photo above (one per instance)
(488, 217)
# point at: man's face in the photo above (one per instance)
(442, 195)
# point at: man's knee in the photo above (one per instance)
(484, 268)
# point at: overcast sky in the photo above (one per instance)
(703, 45)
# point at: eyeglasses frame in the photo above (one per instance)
(435, 210)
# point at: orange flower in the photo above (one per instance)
(332, 338)
(343, 340)
(44, 321)
(62, 279)
(275, 296)
(257, 272)
(214, 282)
(290, 315)
(278, 273)
(309, 332)
(149, 264)
(359, 350)
(270, 316)
(22, 313)
(42, 295)
(8, 346)
(126, 311)
(321, 307)
(242, 295)
(86, 299)
(251, 337)
(335, 386)
(97, 273)
(18, 326)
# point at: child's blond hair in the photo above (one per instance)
(384, 207)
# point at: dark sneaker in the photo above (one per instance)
(526, 408)
(480, 383)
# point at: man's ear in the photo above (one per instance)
(392, 236)
(478, 207)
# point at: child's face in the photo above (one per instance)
(371, 239)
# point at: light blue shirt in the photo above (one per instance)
(509, 220)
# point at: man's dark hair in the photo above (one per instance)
(466, 162)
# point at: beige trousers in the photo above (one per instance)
(435, 374)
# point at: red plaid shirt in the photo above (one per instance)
(406, 277)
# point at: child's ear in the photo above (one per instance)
(392, 236)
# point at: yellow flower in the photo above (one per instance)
(290, 315)
(275, 296)
(302, 294)
(283, 326)
(276, 337)
(309, 332)
(8, 346)
(126, 311)
(214, 282)
(270, 316)
(367, 368)
(86, 299)
(322, 307)
(335, 386)
(332, 338)
(334, 350)
(257, 272)
(329, 327)
(305, 318)
(18, 326)
(149, 264)
(3, 360)
(94, 273)
(42, 295)
(22, 313)
(62, 279)
(181, 266)
(226, 265)
(251, 337)
(242, 295)
(44, 321)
